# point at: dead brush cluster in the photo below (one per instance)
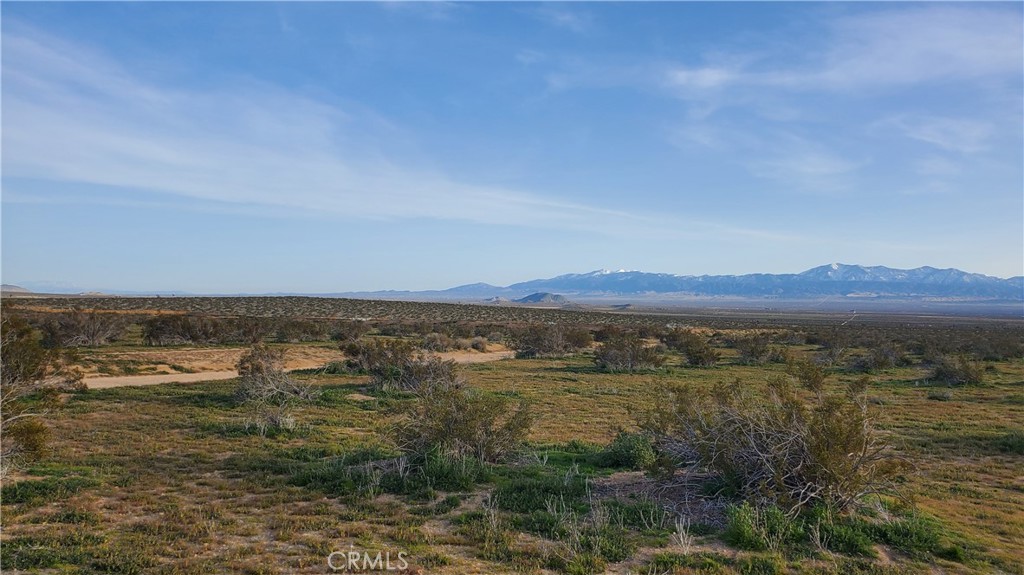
(780, 447)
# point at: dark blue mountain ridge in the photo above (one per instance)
(827, 280)
(842, 280)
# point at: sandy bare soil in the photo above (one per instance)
(304, 361)
(124, 380)
(200, 359)
(476, 357)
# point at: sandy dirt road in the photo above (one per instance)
(94, 382)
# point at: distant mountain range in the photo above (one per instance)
(834, 281)
(839, 280)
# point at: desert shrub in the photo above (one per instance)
(884, 355)
(630, 450)
(294, 330)
(753, 349)
(777, 447)
(268, 390)
(959, 371)
(367, 354)
(162, 330)
(607, 332)
(181, 329)
(479, 343)
(346, 330)
(578, 337)
(81, 328)
(835, 344)
(998, 346)
(250, 329)
(627, 353)
(780, 354)
(696, 348)
(461, 421)
(541, 340)
(396, 365)
(702, 355)
(392, 329)
(437, 342)
(31, 376)
(811, 375)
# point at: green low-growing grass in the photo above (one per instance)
(46, 490)
(165, 479)
(536, 488)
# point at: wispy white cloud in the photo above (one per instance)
(879, 50)
(915, 45)
(429, 9)
(872, 54)
(702, 78)
(74, 115)
(572, 18)
(528, 56)
(964, 135)
(937, 166)
(805, 166)
(794, 162)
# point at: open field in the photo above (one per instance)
(156, 361)
(178, 478)
(404, 311)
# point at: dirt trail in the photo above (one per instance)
(121, 381)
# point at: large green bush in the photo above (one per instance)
(696, 348)
(628, 353)
(396, 365)
(630, 450)
(463, 421)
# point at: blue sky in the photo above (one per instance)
(258, 147)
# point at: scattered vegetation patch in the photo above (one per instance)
(628, 353)
(695, 348)
(48, 489)
(1012, 442)
(180, 474)
(960, 370)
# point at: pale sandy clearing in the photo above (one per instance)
(121, 381)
